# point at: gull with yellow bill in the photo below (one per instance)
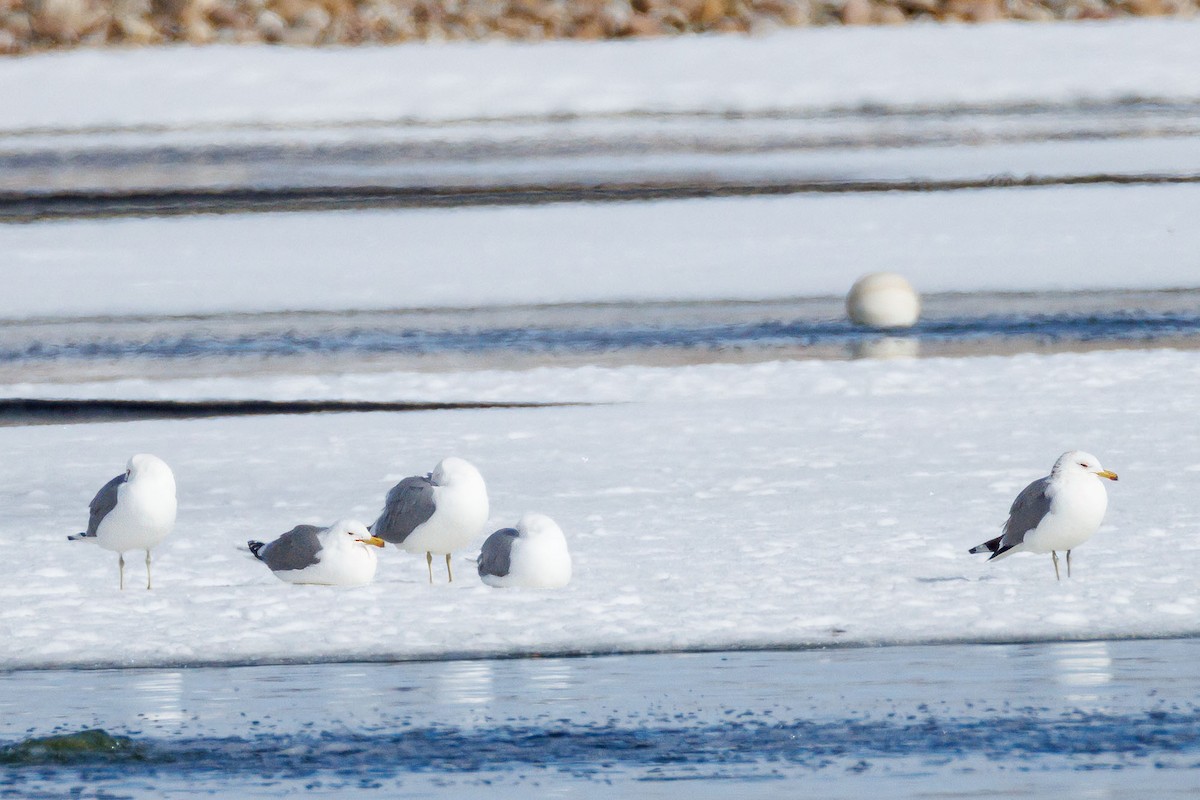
(339, 555)
(1058, 512)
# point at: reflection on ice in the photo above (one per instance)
(466, 683)
(549, 681)
(887, 347)
(159, 693)
(1083, 663)
(1080, 666)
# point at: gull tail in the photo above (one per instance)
(76, 537)
(255, 547)
(991, 546)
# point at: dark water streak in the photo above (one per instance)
(581, 749)
(1111, 327)
(102, 204)
(53, 411)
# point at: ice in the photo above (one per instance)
(1057, 238)
(742, 516)
(797, 71)
(815, 381)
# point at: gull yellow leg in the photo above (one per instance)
(429, 563)
(449, 574)
(1054, 555)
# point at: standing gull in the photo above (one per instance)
(533, 555)
(339, 555)
(1058, 512)
(438, 513)
(133, 511)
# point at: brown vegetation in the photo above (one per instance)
(44, 24)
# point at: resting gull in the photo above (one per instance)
(339, 555)
(133, 511)
(438, 513)
(1058, 512)
(532, 555)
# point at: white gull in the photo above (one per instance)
(133, 511)
(1058, 512)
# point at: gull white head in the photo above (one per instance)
(538, 527)
(145, 467)
(1077, 463)
(346, 533)
(454, 471)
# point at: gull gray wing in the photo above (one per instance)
(1027, 512)
(496, 556)
(296, 549)
(104, 502)
(408, 506)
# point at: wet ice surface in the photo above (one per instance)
(618, 332)
(1076, 718)
(84, 358)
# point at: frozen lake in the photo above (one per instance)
(756, 494)
(1073, 719)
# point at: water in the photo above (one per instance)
(1083, 719)
(611, 334)
(538, 339)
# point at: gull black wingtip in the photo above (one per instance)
(991, 546)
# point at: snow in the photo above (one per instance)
(778, 504)
(807, 70)
(1061, 238)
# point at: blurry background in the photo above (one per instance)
(240, 210)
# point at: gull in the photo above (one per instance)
(532, 555)
(438, 513)
(1058, 512)
(133, 511)
(339, 555)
